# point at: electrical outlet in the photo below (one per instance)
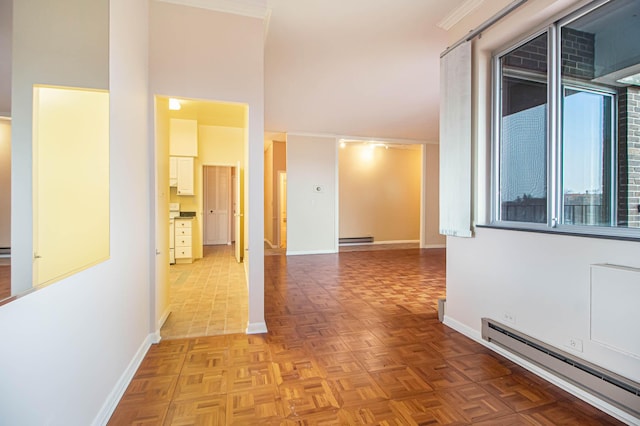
(574, 343)
(509, 317)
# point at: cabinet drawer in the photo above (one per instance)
(183, 232)
(183, 223)
(183, 252)
(183, 241)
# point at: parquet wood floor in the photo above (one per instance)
(5, 278)
(353, 339)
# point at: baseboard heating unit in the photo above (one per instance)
(355, 240)
(606, 385)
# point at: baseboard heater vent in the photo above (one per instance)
(611, 387)
(355, 240)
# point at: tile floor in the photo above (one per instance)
(208, 297)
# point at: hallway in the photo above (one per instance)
(208, 297)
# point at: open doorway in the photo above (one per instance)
(275, 198)
(200, 163)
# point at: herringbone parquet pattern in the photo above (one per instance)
(353, 339)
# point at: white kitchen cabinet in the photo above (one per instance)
(184, 175)
(173, 172)
(183, 137)
(182, 240)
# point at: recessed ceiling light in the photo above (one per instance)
(174, 104)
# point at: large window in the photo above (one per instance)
(567, 136)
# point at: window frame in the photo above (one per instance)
(554, 130)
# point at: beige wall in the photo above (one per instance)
(380, 192)
(432, 237)
(269, 195)
(275, 157)
(5, 183)
(217, 146)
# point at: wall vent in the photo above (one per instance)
(355, 240)
(611, 387)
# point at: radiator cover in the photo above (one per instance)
(611, 387)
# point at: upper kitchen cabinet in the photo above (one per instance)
(184, 175)
(183, 137)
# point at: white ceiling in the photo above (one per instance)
(360, 68)
(366, 68)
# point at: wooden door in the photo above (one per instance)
(216, 205)
(282, 208)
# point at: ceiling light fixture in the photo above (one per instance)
(174, 104)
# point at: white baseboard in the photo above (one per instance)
(163, 318)
(304, 252)
(541, 372)
(120, 387)
(257, 327)
(434, 246)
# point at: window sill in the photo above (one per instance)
(633, 238)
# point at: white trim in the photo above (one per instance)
(305, 252)
(363, 138)
(546, 375)
(434, 246)
(163, 319)
(235, 7)
(120, 387)
(458, 14)
(5, 116)
(257, 328)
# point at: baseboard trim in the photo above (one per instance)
(305, 252)
(120, 387)
(548, 376)
(163, 319)
(257, 327)
(434, 246)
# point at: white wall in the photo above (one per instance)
(65, 347)
(202, 54)
(542, 280)
(311, 217)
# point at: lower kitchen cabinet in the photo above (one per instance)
(183, 240)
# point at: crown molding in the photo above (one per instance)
(253, 9)
(458, 14)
